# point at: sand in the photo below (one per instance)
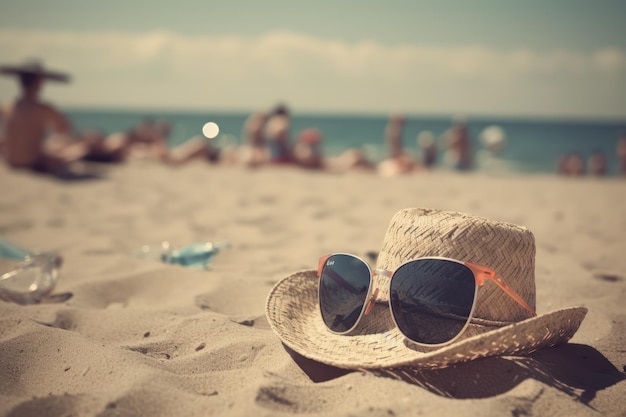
(140, 337)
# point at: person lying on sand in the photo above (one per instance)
(105, 149)
(196, 148)
(306, 151)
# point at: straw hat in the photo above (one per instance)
(34, 68)
(292, 306)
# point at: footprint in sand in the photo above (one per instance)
(608, 277)
(258, 322)
(15, 226)
(203, 301)
(50, 405)
(155, 351)
(65, 320)
(299, 399)
(200, 356)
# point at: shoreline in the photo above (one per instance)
(530, 147)
(353, 114)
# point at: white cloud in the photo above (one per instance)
(170, 70)
(610, 60)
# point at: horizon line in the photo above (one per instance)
(355, 113)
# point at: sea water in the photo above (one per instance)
(532, 145)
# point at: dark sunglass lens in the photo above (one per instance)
(431, 299)
(344, 284)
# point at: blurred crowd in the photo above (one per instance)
(573, 164)
(37, 136)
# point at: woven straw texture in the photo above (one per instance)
(506, 248)
(292, 306)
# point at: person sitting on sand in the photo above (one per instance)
(621, 154)
(254, 152)
(562, 167)
(28, 123)
(571, 165)
(426, 143)
(306, 151)
(37, 136)
(276, 133)
(398, 161)
(597, 164)
(459, 147)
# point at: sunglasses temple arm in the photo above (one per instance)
(483, 273)
(511, 293)
(372, 299)
(321, 262)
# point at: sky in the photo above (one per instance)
(560, 58)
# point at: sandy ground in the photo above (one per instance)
(139, 337)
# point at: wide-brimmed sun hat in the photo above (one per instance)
(293, 311)
(34, 67)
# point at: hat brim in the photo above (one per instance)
(48, 75)
(293, 313)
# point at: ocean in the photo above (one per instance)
(533, 146)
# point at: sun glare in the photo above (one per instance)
(210, 130)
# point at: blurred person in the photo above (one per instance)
(562, 164)
(208, 147)
(35, 134)
(621, 153)
(194, 149)
(597, 164)
(352, 159)
(149, 139)
(398, 161)
(426, 142)
(277, 132)
(576, 165)
(307, 151)
(201, 148)
(104, 149)
(459, 147)
(393, 135)
(571, 165)
(493, 141)
(254, 151)
(40, 137)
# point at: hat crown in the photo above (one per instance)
(506, 248)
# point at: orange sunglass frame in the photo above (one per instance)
(481, 275)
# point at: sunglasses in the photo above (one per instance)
(432, 299)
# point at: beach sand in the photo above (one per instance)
(139, 337)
